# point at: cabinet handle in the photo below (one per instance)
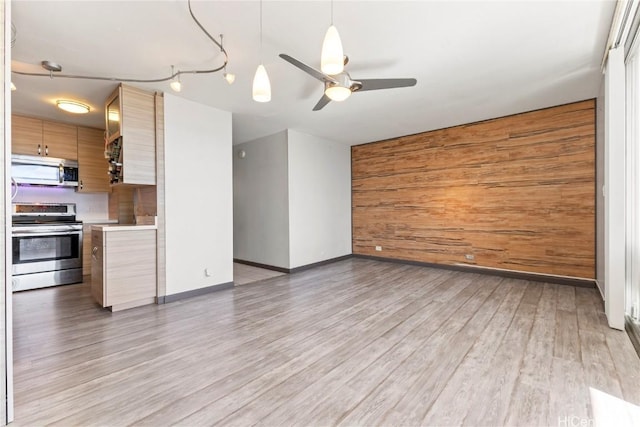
(94, 251)
(46, 150)
(39, 149)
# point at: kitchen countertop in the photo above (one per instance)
(99, 221)
(123, 227)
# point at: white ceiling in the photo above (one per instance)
(473, 60)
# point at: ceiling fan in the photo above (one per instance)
(340, 86)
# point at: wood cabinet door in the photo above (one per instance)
(138, 130)
(60, 140)
(26, 135)
(92, 166)
(130, 267)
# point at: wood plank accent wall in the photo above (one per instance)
(516, 193)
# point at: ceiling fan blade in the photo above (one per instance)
(375, 84)
(307, 69)
(323, 101)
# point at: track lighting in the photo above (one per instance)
(229, 77)
(54, 70)
(176, 85)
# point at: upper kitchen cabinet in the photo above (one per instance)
(60, 140)
(131, 134)
(37, 137)
(26, 135)
(92, 176)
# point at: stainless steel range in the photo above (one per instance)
(47, 245)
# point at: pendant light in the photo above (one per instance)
(332, 57)
(261, 84)
(229, 77)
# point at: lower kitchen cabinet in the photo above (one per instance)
(123, 265)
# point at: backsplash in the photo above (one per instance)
(89, 207)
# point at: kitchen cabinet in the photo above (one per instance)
(91, 162)
(123, 265)
(26, 135)
(37, 137)
(60, 140)
(130, 116)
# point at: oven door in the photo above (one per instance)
(41, 248)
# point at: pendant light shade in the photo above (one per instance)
(176, 84)
(261, 85)
(332, 58)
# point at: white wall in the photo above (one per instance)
(319, 199)
(260, 201)
(614, 177)
(198, 199)
(89, 206)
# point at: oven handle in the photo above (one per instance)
(44, 232)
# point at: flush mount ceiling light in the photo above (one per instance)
(332, 57)
(55, 70)
(261, 84)
(72, 106)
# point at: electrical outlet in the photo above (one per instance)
(378, 248)
(470, 257)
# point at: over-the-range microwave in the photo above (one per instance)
(39, 170)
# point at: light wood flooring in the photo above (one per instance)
(357, 342)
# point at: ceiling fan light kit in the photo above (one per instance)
(72, 106)
(340, 86)
(337, 93)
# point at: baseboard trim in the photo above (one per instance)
(319, 263)
(633, 330)
(292, 270)
(513, 274)
(194, 293)
(265, 266)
